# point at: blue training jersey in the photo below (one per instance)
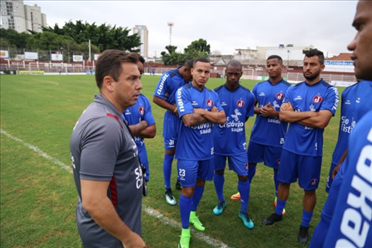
(229, 138)
(269, 131)
(141, 111)
(168, 84)
(300, 139)
(356, 100)
(351, 224)
(195, 142)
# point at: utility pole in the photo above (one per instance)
(170, 25)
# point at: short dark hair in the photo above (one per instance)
(234, 63)
(200, 59)
(315, 52)
(109, 64)
(275, 57)
(189, 63)
(141, 59)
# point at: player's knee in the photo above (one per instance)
(242, 178)
(188, 191)
(200, 183)
(170, 152)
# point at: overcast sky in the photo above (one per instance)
(226, 25)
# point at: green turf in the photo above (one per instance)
(38, 198)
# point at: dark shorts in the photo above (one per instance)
(304, 168)
(270, 155)
(238, 163)
(190, 170)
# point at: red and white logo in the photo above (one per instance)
(240, 103)
(317, 99)
(209, 103)
(280, 96)
(141, 110)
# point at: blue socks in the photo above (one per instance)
(251, 172)
(167, 169)
(244, 188)
(198, 193)
(185, 209)
(219, 181)
(280, 205)
(306, 218)
(276, 182)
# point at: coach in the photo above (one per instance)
(107, 172)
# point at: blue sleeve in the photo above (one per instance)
(161, 88)
(250, 104)
(331, 100)
(149, 118)
(288, 95)
(217, 101)
(254, 91)
(184, 102)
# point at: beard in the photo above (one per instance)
(312, 77)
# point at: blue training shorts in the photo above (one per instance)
(171, 127)
(238, 163)
(304, 168)
(190, 170)
(270, 155)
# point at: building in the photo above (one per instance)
(143, 33)
(20, 17)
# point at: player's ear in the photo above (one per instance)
(108, 83)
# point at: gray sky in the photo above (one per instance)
(226, 25)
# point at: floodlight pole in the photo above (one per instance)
(170, 25)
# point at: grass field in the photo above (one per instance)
(38, 196)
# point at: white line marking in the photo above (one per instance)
(150, 211)
(37, 150)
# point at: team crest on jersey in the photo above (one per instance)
(209, 103)
(141, 110)
(280, 96)
(317, 99)
(240, 103)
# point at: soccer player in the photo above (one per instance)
(356, 103)
(164, 96)
(141, 123)
(107, 172)
(308, 106)
(267, 137)
(198, 108)
(229, 139)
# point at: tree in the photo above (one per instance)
(198, 48)
(171, 57)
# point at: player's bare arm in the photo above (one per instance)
(217, 117)
(320, 120)
(288, 114)
(144, 131)
(164, 104)
(193, 119)
(99, 206)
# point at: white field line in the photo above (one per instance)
(150, 211)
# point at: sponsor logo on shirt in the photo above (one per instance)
(298, 98)
(127, 112)
(262, 94)
(194, 103)
(357, 100)
(317, 99)
(348, 102)
(280, 96)
(223, 104)
(181, 108)
(141, 110)
(161, 85)
(240, 103)
(209, 103)
(347, 125)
